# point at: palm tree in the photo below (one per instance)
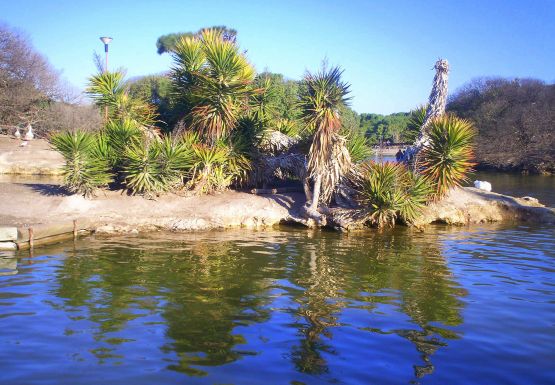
(328, 158)
(437, 102)
(109, 90)
(213, 81)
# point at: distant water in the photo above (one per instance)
(541, 187)
(447, 306)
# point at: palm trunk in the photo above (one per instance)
(316, 194)
(436, 107)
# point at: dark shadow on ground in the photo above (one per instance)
(48, 189)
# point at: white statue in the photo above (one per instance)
(17, 134)
(482, 185)
(29, 135)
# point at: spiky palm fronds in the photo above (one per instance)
(104, 88)
(142, 170)
(359, 146)
(446, 158)
(415, 123)
(208, 172)
(120, 135)
(324, 94)
(289, 127)
(328, 159)
(109, 90)
(176, 159)
(263, 101)
(417, 192)
(150, 167)
(86, 167)
(388, 191)
(215, 80)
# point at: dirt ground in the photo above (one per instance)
(34, 158)
(27, 201)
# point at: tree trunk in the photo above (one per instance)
(316, 193)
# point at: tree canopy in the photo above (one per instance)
(167, 43)
(515, 119)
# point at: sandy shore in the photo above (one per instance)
(28, 203)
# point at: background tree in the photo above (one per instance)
(157, 91)
(31, 90)
(27, 80)
(515, 119)
(168, 42)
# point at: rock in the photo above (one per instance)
(531, 200)
(8, 233)
(110, 229)
(470, 205)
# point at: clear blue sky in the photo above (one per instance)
(387, 48)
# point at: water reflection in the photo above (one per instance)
(203, 290)
(8, 263)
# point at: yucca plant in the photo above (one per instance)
(109, 91)
(142, 169)
(86, 166)
(358, 145)
(214, 80)
(154, 166)
(388, 191)
(120, 135)
(416, 120)
(289, 127)
(446, 158)
(176, 159)
(208, 173)
(328, 159)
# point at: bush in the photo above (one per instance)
(446, 159)
(151, 167)
(87, 167)
(515, 120)
(388, 191)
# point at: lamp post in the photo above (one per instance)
(106, 40)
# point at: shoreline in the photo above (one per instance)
(53, 214)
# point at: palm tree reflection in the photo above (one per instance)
(201, 290)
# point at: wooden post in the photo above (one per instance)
(31, 240)
(74, 229)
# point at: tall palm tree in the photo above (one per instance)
(437, 102)
(213, 81)
(328, 158)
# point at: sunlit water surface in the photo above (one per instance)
(447, 306)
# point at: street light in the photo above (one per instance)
(106, 40)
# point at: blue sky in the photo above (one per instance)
(387, 48)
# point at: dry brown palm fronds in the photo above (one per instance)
(275, 142)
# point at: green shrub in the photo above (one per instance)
(120, 135)
(446, 159)
(388, 191)
(359, 146)
(154, 166)
(217, 167)
(86, 164)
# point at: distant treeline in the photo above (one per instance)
(515, 121)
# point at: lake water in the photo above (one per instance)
(447, 306)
